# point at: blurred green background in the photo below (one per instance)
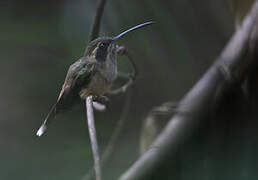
(41, 38)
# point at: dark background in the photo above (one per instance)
(40, 39)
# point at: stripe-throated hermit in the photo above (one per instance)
(93, 74)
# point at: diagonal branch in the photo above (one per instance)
(195, 106)
(97, 19)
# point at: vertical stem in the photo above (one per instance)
(93, 137)
(109, 150)
(96, 24)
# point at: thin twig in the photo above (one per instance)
(131, 77)
(97, 19)
(93, 137)
(229, 66)
(115, 135)
(119, 127)
(89, 100)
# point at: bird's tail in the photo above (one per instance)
(48, 119)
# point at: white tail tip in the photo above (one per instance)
(41, 130)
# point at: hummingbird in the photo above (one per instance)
(93, 74)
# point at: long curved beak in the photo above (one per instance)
(131, 29)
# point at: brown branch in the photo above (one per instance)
(195, 106)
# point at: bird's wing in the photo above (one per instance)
(77, 76)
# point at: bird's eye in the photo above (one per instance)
(102, 51)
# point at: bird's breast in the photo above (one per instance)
(98, 86)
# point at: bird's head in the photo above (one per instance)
(104, 48)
